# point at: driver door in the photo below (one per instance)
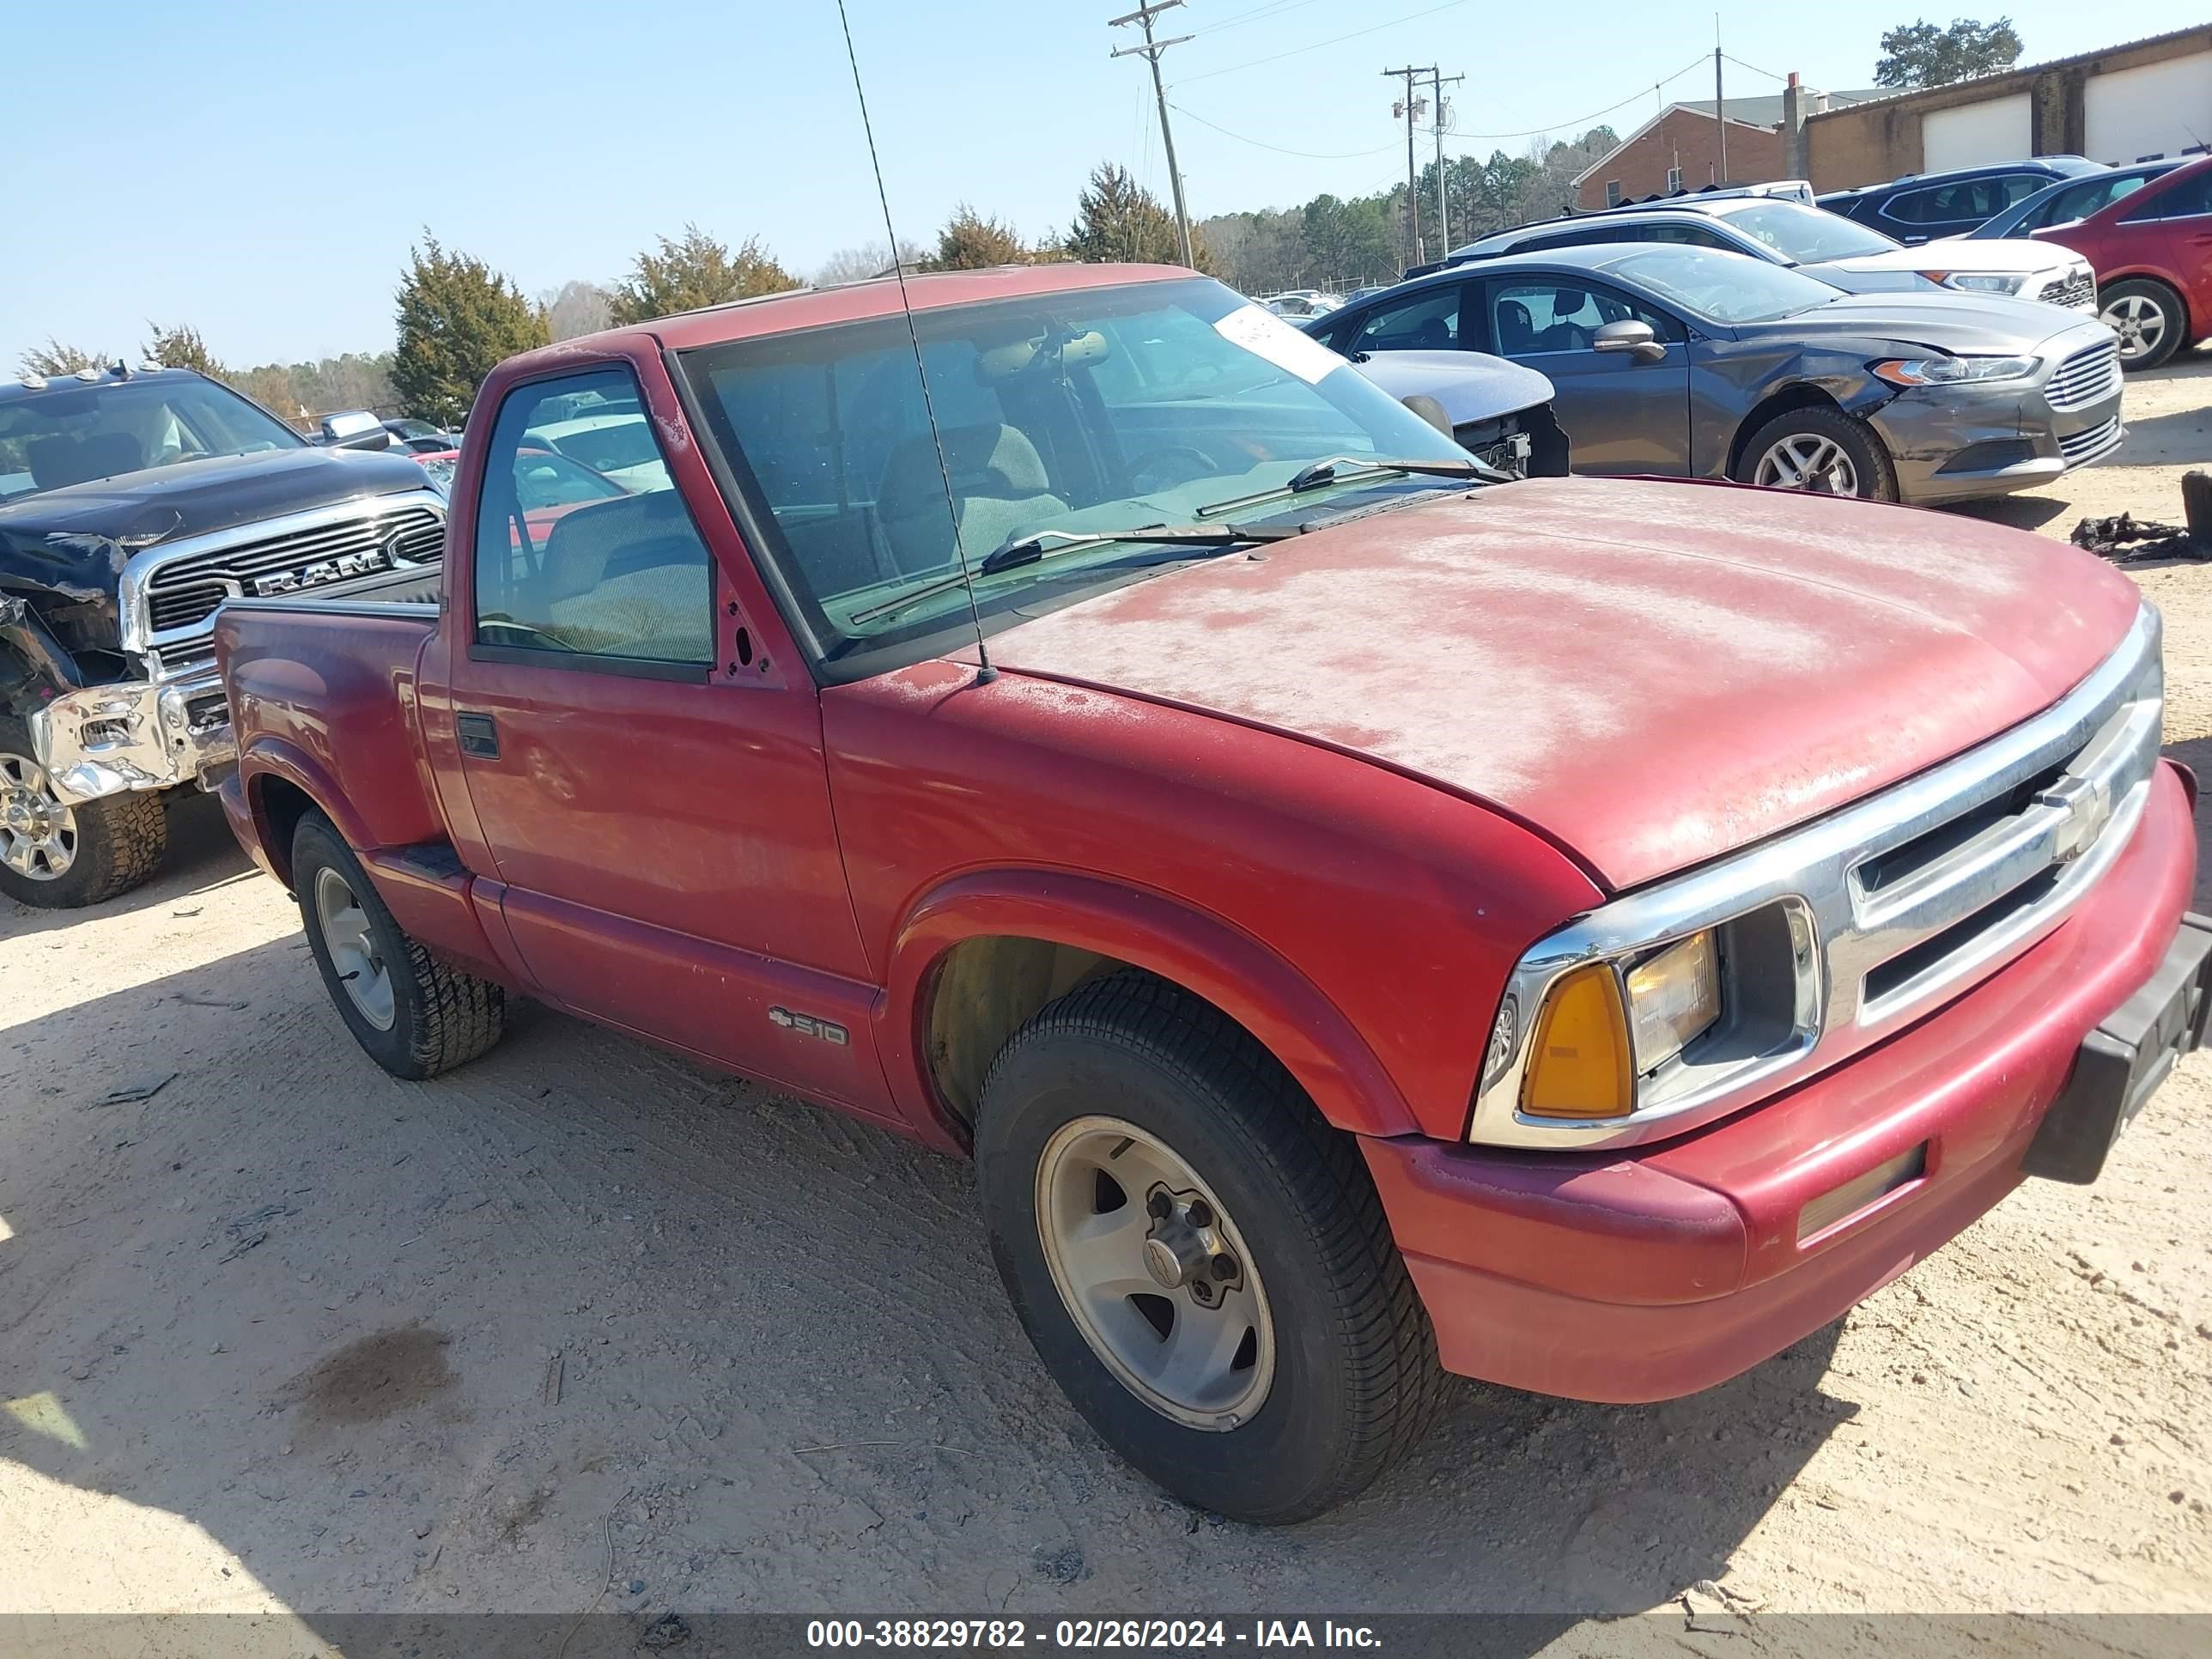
(1620, 415)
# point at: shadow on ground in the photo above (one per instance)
(581, 1314)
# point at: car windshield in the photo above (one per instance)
(74, 432)
(1093, 409)
(1724, 287)
(1808, 235)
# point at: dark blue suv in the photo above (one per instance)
(1923, 205)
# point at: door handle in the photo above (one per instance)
(479, 736)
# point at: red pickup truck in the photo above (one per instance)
(1365, 921)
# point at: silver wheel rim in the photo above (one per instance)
(1806, 460)
(1154, 1273)
(38, 834)
(2138, 321)
(352, 948)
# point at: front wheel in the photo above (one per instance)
(415, 1015)
(1201, 1261)
(2147, 319)
(1822, 451)
(58, 857)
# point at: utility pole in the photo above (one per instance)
(1152, 50)
(1720, 106)
(1437, 85)
(1412, 174)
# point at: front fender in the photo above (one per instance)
(1207, 957)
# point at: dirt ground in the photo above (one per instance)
(581, 1319)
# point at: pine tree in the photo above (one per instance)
(55, 358)
(970, 242)
(695, 271)
(458, 318)
(181, 347)
(1118, 220)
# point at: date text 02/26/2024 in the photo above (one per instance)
(997, 1635)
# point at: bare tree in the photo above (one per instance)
(577, 307)
(858, 263)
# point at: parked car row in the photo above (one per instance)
(1678, 360)
(1366, 919)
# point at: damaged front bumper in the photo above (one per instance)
(151, 734)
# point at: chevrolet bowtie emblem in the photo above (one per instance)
(2086, 807)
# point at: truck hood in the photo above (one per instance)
(73, 542)
(1651, 673)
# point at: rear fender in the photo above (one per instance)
(1270, 998)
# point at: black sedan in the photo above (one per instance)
(1686, 362)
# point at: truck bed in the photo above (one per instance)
(302, 667)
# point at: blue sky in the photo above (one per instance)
(258, 169)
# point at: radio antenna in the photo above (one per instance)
(985, 674)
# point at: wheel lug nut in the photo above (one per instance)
(1201, 1290)
(1224, 1268)
(1201, 1214)
(1160, 1206)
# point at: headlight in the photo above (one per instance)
(1986, 282)
(1599, 1029)
(1951, 370)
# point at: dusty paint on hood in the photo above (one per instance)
(1654, 674)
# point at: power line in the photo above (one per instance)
(1295, 51)
(1302, 154)
(1257, 14)
(1697, 62)
(1755, 69)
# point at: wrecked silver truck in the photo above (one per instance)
(132, 504)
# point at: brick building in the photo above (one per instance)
(1679, 149)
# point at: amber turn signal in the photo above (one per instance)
(1579, 1063)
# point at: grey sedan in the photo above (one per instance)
(1683, 361)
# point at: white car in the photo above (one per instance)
(617, 447)
(1837, 250)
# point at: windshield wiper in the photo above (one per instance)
(1335, 469)
(1041, 544)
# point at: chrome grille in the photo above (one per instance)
(2079, 291)
(185, 590)
(1909, 896)
(2090, 442)
(2085, 378)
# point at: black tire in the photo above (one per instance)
(442, 1017)
(118, 840)
(1876, 474)
(2173, 321)
(1356, 1377)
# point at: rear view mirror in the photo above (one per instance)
(1632, 336)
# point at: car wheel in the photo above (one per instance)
(415, 1015)
(56, 857)
(1822, 451)
(2147, 319)
(1200, 1260)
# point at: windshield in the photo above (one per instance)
(73, 433)
(1089, 410)
(1724, 287)
(1808, 235)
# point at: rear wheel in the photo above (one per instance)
(1822, 451)
(415, 1015)
(58, 857)
(1201, 1261)
(2147, 317)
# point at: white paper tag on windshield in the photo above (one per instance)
(1261, 332)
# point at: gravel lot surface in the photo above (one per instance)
(290, 1335)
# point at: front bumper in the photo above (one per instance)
(1963, 443)
(1646, 1275)
(150, 734)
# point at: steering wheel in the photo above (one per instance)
(1171, 464)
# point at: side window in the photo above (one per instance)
(2012, 189)
(1529, 317)
(1427, 320)
(1687, 236)
(2075, 202)
(584, 548)
(1914, 207)
(2190, 196)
